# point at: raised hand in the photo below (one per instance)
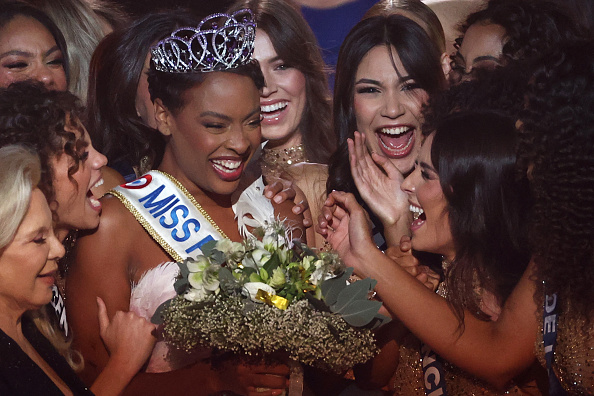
(378, 182)
(281, 190)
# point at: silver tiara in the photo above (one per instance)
(219, 42)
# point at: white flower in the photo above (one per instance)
(195, 295)
(256, 258)
(321, 273)
(251, 289)
(233, 251)
(278, 278)
(306, 262)
(199, 264)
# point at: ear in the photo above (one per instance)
(445, 63)
(163, 117)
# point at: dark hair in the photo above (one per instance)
(115, 71)
(474, 154)
(11, 9)
(295, 43)
(419, 56)
(557, 151)
(171, 87)
(531, 27)
(35, 117)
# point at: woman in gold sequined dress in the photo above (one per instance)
(295, 102)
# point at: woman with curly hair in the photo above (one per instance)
(507, 31)
(551, 308)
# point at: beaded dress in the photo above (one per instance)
(574, 352)
(408, 378)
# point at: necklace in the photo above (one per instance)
(275, 161)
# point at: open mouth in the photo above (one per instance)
(272, 111)
(396, 142)
(227, 169)
(93, 201)
(418, 217)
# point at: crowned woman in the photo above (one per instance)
(205, 89)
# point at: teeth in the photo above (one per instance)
(227, 166)
(273, 107)
(99, 183)
(395, 131)
(94, 202)
(416, 211)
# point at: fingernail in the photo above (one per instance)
(277, 199)
(296, 209)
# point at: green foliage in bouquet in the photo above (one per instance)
(267, 296)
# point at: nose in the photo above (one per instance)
(56, 250)
(392, 106)
(46, 76)
(238, 140)
(269, 83)
(408, 185)
(98, 159)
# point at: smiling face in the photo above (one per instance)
(430, 228)
(481, 48)
(28, 264)
(29, 51)
(215, 133)
(283, 98)
(77, 208)
(387, 105)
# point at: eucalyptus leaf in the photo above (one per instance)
(158, 315)
(360, 313)
(227, 280)
(208, 247)
(217, 257)
(181, 285)
(183, 268)
(354, 292)
(331, 288)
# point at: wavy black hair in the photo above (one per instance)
(33, 116)
(532, 28)
(557, 151)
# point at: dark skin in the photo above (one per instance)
(115, 255)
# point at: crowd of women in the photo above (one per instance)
(463, 183)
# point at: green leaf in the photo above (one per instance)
(158, 315)
(217, 257)
(264, 275)
(181, 285)
(331, 288)
(208, 247)
(355, 291)
(227, 280)
(254, 277)
(183, 269)
(272, 263)
(360, 313)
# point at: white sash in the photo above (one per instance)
(169, 213)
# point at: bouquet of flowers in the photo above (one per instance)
(268, 296)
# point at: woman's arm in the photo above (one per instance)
(495, 351)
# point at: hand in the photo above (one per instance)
(378, 181)
(261, 379)
(281, 190)
(403, 256)
(128, 337)
(346, 226)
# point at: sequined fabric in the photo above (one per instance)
(408, 378)
(276, 161)
(574, 352)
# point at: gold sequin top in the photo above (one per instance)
(276, 161)
(574, 352)
(408, 378)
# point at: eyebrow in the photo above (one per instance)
(28, 54)
(375, 82)
(426, 166)
(226, 117)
